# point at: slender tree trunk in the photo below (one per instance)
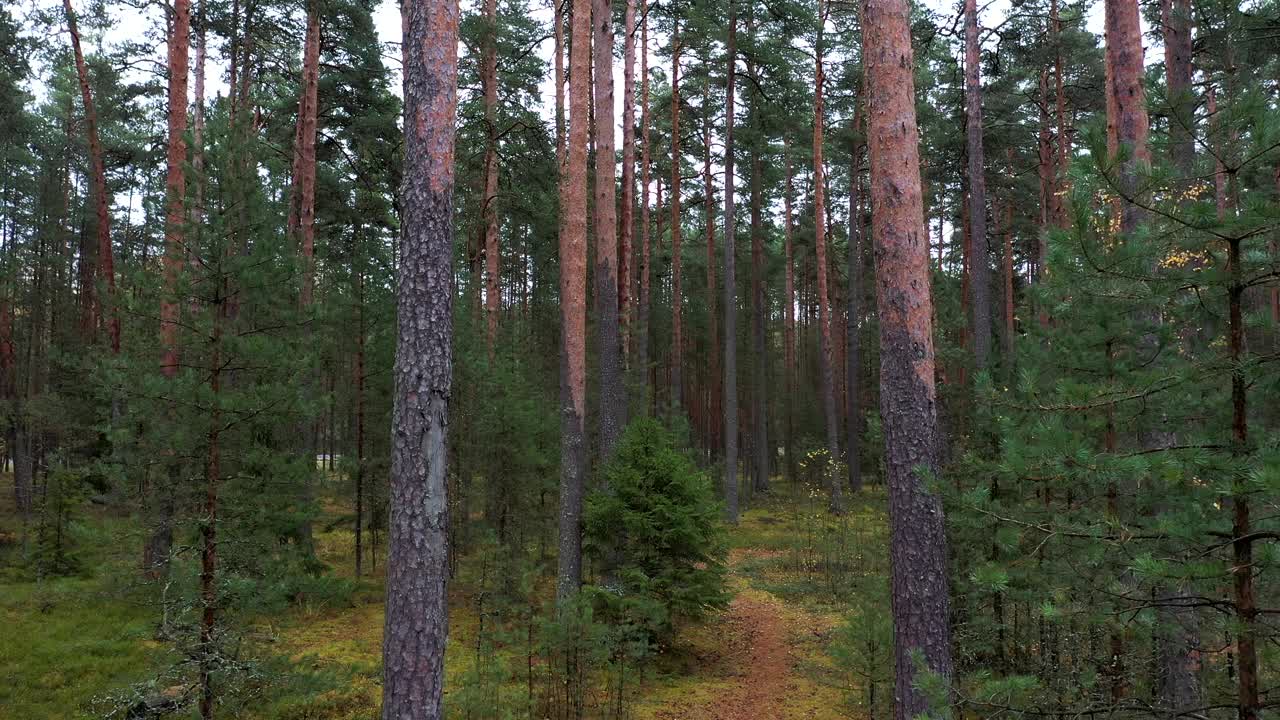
(1124, 49)
(730, 289)
(1242, 569)
(642, 308)
(358, 381)
(820, 253)
(98, 178)
(1176, 30)
(628, 223)
(1064, 142)
(760, 448)
(613, 397)
(209, 521)
(853, 356)
(917, 538)
(713, 325)
(416, 625)
(677, 339)
(789, 316)
(979, 281)
(573, 309)
(489, 201)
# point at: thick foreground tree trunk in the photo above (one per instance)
(416, 623)
(573, 309)
(917, 539)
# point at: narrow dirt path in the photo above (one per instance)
(761, 655)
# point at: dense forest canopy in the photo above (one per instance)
(673, 359)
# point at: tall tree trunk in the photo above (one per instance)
(1242, 570)
(573, 309)
(416, 625)
(304, 156)
(642, 307)
(760, 447)
(1176, 30)
(156, 552)
(489, 201)
(1177, 639)
(853, 356)
(917, 538)
(730, 288)
(98, 180)
(209, 519)
(820, 253)
(980, 280)
(677, 359)
(789, 315)
(613, 397)
(1064, 142)
(358, 391)
(628, 222)
(709, 226)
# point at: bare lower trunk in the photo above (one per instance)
(613, 398)
(642, 308)
(416, 624)
(573, 310)
(853, 355)
(489, 201)
(789, 319)
(628, 220)
(677, 339)
(824, 310)
(979, 281)
(730, 292)
(917, 540)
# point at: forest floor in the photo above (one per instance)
(797, 575)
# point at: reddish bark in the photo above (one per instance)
(416, 626)
(917, 544)
(559, 70)
(175, 184)
(1176, 30)
(642, 309)
(1127, 101)
(628, 221)
(573, 308)
(613, 399)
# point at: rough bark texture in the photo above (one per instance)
(573, 310)
(626, 239)
(1130, 124)
(416, 623)
(489, 201)
(853, 354)
(98, 181)
(613, 397)
(558, 32)
(820, 253)
(730, 292)
(980, 276)
(677, 339)
(304, 156)
(917, 541)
